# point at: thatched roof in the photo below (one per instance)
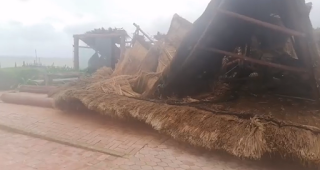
(103, 31)
(249, 126)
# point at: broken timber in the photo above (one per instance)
(307, 51)
(252, 60)
(261, 23)
(146, 35)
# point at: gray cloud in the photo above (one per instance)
(17, 39)
(41, 32)
(315, 13)
(55, 20)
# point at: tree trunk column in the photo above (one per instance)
(76, 53)
(122, 46)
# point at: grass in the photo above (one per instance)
(10, 78)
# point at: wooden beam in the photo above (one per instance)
(263, 24)
(122, 47)
(260, 62)
(145, 34)
(97, 35)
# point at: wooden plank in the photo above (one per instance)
(260, 62)
(263, 24)
(80, 36)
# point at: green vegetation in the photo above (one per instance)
(10, 78)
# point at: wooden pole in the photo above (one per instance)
(35, 52)
(122, 46)
(36, 89)
(76, 53)
(27, 99)
(256, 61)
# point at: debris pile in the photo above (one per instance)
(242, 78)
(260, 53)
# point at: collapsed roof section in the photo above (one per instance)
(237, 41)
(152, 56)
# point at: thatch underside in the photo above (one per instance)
(246, 137)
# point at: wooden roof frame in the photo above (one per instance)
(99, 35)
(76, 46)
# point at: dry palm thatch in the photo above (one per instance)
(178, 29)
(241, 135)
(129, 64)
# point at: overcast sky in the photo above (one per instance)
(48, 25)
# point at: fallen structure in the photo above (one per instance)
(242, 78)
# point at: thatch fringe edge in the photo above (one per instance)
(246, 138)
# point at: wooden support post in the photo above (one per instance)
(76, 53)
(122, 46)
